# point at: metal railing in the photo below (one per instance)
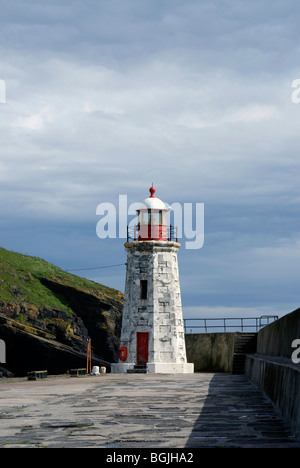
(154, 232)
(254, 324)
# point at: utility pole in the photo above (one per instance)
(88, 356)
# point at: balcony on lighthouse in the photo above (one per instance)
(152, 221)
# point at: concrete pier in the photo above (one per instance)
(144, 411)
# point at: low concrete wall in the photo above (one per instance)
(272, 369)
(210, 352)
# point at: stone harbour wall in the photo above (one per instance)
(272, 368)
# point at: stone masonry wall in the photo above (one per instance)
(160, 314)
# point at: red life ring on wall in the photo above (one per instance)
(123, 353)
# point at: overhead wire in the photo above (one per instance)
(95, 268)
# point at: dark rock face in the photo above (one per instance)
(54, 340)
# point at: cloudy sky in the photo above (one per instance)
(104, 97)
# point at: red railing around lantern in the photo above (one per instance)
(146, 232)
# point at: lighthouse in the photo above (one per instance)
(152, 335)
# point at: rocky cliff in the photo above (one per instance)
(46, 316)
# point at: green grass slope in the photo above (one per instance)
(21, 282)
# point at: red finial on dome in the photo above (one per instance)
(152, 191)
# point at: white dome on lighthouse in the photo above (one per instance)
(154, 203)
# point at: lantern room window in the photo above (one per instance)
(152, 217)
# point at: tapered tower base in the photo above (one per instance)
(152, 325)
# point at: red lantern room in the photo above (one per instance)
(152, 219)
(152, 222)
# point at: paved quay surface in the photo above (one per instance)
(139, 411)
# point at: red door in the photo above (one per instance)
(142, 339)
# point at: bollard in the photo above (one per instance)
(95, 370)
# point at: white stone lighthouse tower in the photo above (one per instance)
(152, 337)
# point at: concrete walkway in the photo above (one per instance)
(138, 411)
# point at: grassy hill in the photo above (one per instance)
(22, 280)
(47, 314)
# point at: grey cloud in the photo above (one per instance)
(104, 97)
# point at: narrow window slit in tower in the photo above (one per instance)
(144, 289)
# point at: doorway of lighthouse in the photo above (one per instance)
(142, 342)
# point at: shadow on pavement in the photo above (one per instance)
(236, 414)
